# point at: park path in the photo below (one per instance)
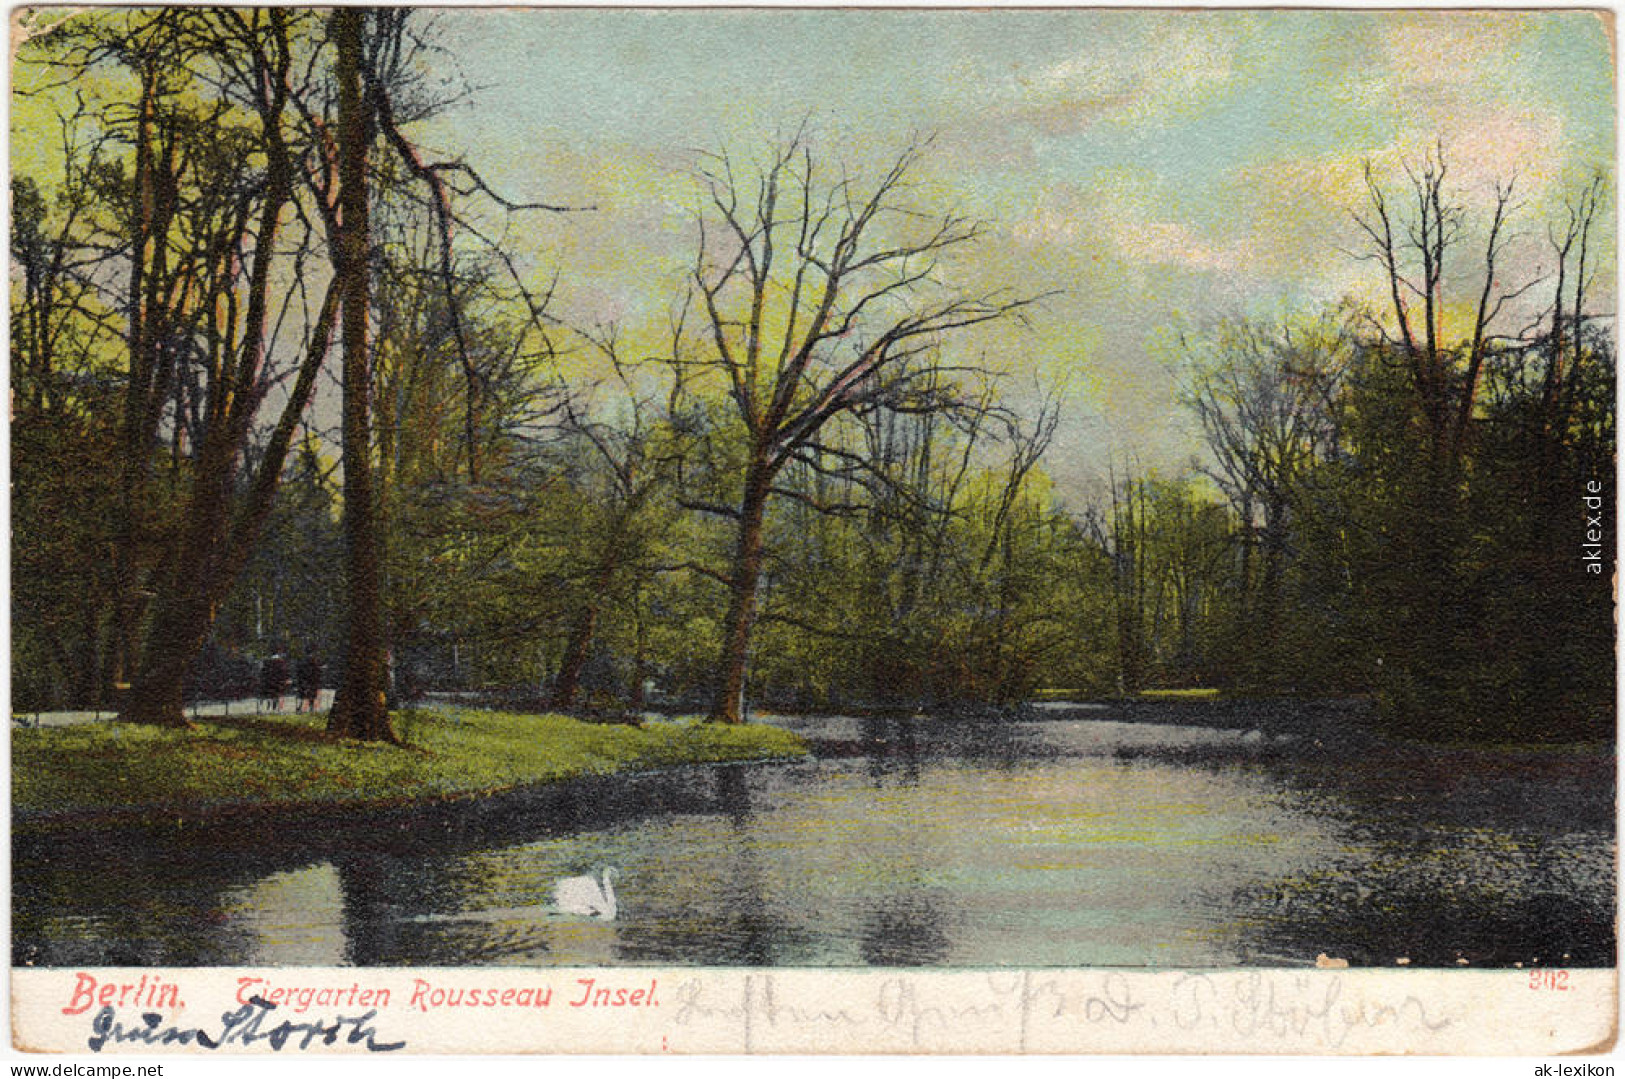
(245, 706)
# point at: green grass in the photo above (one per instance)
(128, 771)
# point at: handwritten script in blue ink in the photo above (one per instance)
(245, 1026)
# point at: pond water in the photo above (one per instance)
(1078, 839)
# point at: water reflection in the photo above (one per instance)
(1451, 903)
(1429, 929)
(295, 918)
(907, 928)
(733, 793)
(711, 886)
(745, 930)
(137, 903)
(892, 748)
(370, 914)
(911, 842)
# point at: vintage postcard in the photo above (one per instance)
(798, 531)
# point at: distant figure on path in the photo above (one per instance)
(273, 681)
(310, 681)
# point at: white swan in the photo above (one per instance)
(583, 895)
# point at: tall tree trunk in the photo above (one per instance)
(180, 626)
(728, 704)
(580, 644)
(585, 625)
(218, 542)
(219, 530)
(1266, 641)
(85, 662)
(1235, 662)
(360, 709)
(640, 662)
(185, 602)
(136, 434)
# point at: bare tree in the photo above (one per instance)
(1027, 446)
(199, 225)
(1565, 340)
(814, 288)
(1265, 396)
(196, 230)
(377, 61)
(1413, 237)
(1124, 536)
(881, 561)
(635, 467)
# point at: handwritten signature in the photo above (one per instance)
(1269, 1009)
(903, 1005)
(244, 1026)
(1262, 1009)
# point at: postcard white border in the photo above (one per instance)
(705, 1011)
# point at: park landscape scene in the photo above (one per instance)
(964, 489)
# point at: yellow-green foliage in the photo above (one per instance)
(290, 760)
(1179, 694)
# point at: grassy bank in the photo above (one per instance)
(124, 772)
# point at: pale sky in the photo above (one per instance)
(1159, 168)
(1162, 168)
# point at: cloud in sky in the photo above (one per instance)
(1163, 68)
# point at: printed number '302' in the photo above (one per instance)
(1549, 979)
